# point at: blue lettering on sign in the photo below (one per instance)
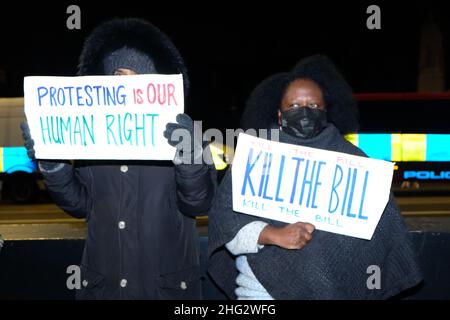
(336, 194)
(347, 193)
(350, 199)
(280, 175)
(294, 187)
(269, 164)
(332, 221)
(254, 205)
(82, 96)
(129, 129)
(316, 184)
(248, 169)
(363, 195)
(59, 130)
(263, 175)
(79, 96)
(427, 175)
(42, 92)
(289, 211)
(307, 182)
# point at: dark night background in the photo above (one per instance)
(228, 47)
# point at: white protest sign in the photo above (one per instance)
(334, 191)
(103, 117)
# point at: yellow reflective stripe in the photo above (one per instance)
(396, 147)
(218, 162)
(409, 147)
(217, 156)
(353, 138)
(414, 147)
(1, 159)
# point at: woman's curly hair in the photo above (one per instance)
(263, 104)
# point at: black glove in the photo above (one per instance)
(28, 142)
(181, 135)
(48, 165)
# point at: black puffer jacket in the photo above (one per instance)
(141, 241)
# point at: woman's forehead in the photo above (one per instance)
(303, 86)
(304, 83)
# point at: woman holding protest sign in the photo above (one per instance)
(141, 239)
(258, 258)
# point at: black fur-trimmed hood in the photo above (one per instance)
(262, 106)
(135, 33)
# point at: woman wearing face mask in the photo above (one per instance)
(302, 112)
(257, 258)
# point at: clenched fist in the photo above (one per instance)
(291, 236)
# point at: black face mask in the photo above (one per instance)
(303, 122)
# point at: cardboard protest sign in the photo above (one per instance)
(103, 117)
(334, 191)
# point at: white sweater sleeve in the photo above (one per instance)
(246, 240)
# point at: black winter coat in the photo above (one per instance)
(141, 238)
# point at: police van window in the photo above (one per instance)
(412, 130)
(404, 127)
(404, 113)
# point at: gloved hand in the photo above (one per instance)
(46, 166)
(181, 135)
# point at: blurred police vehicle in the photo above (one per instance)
(19, 179)
(412, 130)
